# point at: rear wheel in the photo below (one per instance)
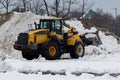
(77, 50)
(29, 55)
(51, 50)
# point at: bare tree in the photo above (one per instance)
(5, 4)
(37, 4)
(57, 3)
(24, 4)
(55, 8)
(61, 8)
(69, 8)
(46, 6)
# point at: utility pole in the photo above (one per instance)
(115, 13)
(83, 6)
(115, 19)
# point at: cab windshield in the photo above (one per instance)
(45, 24)
(53, 25)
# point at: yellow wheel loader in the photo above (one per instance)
(49, 40)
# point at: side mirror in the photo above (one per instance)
(39, 26)
(35, 25)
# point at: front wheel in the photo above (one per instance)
(77, 50)
(29, 55)
(51, 50)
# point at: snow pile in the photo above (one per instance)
(109, 46)
(10, 30)
(79, 27)
(109, 42)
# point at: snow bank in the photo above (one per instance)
(66, 66)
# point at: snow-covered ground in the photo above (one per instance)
(99, 63)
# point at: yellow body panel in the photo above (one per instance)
(73, 39)
(41, 38)
(57, 35)
(37, 38)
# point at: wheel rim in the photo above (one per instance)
(79, 50)
(52, 50)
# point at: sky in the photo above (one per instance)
(107, 5)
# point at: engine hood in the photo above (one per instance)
(40, 31)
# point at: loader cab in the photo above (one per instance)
(54, 24)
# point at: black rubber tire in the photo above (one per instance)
(73, 50)
(45, 50)
(29, 55)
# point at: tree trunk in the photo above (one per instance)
(83, 6)
(7, 6)
(46, 6)
(57, 6)
(24, 4)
